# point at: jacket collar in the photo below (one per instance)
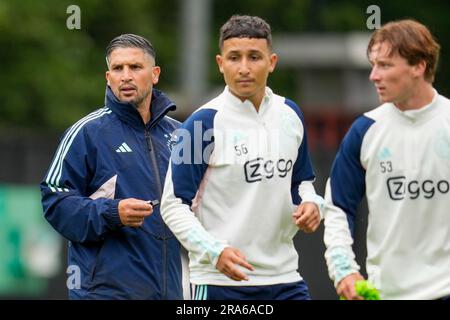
(160, 106)
(422, 114)
(246, 105)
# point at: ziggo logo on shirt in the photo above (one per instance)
(399, 188)
(258, 168)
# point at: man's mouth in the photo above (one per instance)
(127, 89)
(245, 81)
(380, 89)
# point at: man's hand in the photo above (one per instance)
(228, 259)
(307, 217)
(132, 212)
(346, 287)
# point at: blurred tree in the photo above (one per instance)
(301, 16)
(47, 68)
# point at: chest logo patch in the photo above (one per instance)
(384, 154)
(442, 144)
(124, 148)
(171, 140)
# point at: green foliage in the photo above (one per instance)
(337, 16)
(52, 76)
(366, 290)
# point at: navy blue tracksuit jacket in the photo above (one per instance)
(107, 156)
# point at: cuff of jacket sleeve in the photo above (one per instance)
(112, 217)
(206, 243)
(215, 257)
(342, 264)
(318, 200)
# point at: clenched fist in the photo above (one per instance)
(132, 212)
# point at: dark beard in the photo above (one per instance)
(138, 101)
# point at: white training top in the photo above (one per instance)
(250, 170)
(401, 161)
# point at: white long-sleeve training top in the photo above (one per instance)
(235, 178)
(401, 161)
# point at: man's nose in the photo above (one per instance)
(243, 67)
(126, 74)
(374, 75)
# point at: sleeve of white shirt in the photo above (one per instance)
(308, 194)
(302, 188)
(186, 227)
(184, 175)
(344, 192)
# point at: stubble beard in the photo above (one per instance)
(138, 100)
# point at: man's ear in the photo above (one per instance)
(156, 71)
(219, 60)
(420, 68)
(273, 62)
(107, 78)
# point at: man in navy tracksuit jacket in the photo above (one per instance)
(107, 167)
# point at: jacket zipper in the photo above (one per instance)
(154, 162)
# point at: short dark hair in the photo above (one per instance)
(412, 41)
(130, 40)
(239, 26)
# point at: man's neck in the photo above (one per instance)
(145, 114)
(422, 96)
(144, 109)
(256, 100)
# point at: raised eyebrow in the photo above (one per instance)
(116, 65)
(240, 53)
(133, 64)
(233, 52)
(381, 60)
